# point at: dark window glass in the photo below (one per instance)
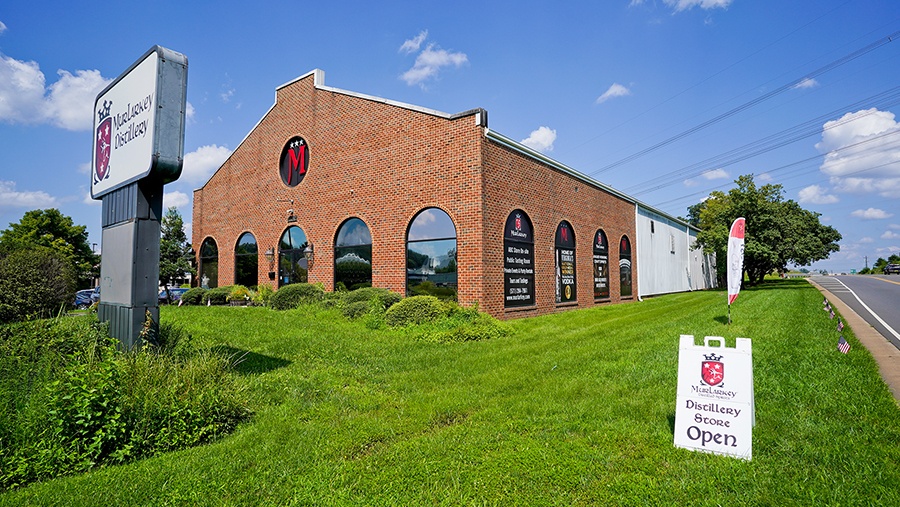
(518, 260)
(209, 264)
(625, 267)
(353, 255)
(246, 261)
(292, 264)
(601, 265)
(431, 255)
(566, 288)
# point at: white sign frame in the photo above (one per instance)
(715, 407)
(139, 123)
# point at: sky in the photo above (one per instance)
(664, 100)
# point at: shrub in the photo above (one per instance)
(239, 293)
(388, 298)
(263, 295)
(193, 296)
(35, 282)
(481, 326)
(292, 296)
(217, 296)
(74, 402)
(415, 310)
(355, 309)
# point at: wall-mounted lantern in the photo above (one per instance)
(309, 255)
(270, 256)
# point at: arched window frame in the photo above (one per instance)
(349, 271)
(208, 274)
(626, 285)
(421, 267)
(518, 260)
(566, 280)
(601, 266)
(246, 260)
(293, 265)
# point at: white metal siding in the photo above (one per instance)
(666, 262)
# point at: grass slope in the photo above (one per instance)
(575, 408)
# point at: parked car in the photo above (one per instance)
(892, 269)
(87, 297)
(175, 293)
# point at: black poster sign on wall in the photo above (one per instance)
(601, 266)
(565, 264)
(625, 267)
(518, 261)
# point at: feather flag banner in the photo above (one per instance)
(735, 265)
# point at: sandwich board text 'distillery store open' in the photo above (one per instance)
(715, 406)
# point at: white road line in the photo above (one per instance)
(883, 323)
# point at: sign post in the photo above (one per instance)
(138, 147)
(715, 409)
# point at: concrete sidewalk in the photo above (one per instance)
(885, 353)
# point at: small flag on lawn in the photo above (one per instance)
(843, 346)
(840, 326)
(832, 314)
(825, 301)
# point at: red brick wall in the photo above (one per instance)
(513, 181)
(370, 160)
(383, 164)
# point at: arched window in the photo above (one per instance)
(246, 261)
(566, 288)
(518, 260)
(209, 264)
(625, 267)
(292, 264)
(353, 255)
(601, 266)
(431, 255)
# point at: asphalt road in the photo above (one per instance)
(875, 298)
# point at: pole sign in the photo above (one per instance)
(139, 123)
(715, 407)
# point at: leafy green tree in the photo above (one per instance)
(51, 229)
(35, 282)
(778, 231)
(174, 250)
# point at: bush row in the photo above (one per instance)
(73, 402)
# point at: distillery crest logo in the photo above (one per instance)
(104, 145)
(712, 370)
(294, 161)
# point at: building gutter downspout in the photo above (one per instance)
(636, 256)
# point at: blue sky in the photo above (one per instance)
(664, 100)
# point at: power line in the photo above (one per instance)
(818, 72)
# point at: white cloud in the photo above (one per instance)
(430, 62)
(541, 139)
(716, 174)
(413, 45)
(67, 103)
(806, 83)
(88, 200)
(814, 194)
(873, 164)
(683, 5)
(201, 163)
(2, 27)
(189, 112)
(895, 227)
(616, 90)
(84, 168)
(12, 198)
(866, 240)
(890, 235)
(177, 199)
(764, 177)
(871, 214)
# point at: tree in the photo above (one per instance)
(51, 229)
(35, 282)
(778, 231)
(174, 250)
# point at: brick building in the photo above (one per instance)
(348, 190)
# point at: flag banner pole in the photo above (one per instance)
(735, 261)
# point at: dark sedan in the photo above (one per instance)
(175, 294)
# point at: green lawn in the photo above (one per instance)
(575, 408)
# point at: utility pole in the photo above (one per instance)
(867, 261)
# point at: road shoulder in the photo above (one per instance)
(886, 355)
